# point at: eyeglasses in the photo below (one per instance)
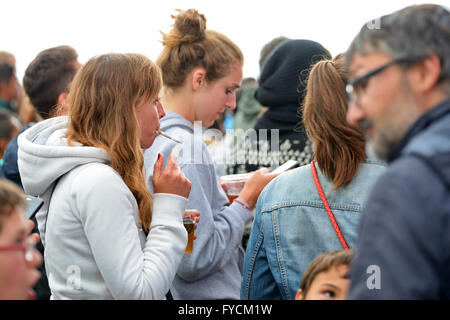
(27, 247)
(356, 86)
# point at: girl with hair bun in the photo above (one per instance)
(201, 70)
(105, 235)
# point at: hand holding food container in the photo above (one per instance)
(233, 184)
(248, 186)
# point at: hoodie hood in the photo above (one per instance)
(174, 120)
(44, 155)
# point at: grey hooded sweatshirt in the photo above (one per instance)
(214, 269)
(95, 247)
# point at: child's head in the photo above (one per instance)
(326, 277)
(18, 271)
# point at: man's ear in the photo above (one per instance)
(198, 78)
(425, 75)
(63, 104)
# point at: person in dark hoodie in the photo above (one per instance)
(399, 92)
(281, 86)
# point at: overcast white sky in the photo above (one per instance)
(94, 27)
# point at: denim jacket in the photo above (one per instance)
(291, 228)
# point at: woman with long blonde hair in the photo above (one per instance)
(105, 235)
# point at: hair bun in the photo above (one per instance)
(189, 26)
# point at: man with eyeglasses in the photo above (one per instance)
(19, 259)
(399, 94)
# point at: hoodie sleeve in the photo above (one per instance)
(107, 210)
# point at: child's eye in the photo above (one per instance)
(329, 294)
(228, 91)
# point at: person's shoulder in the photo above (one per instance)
(412, 169)
(96, 177)
(405, 186)
(302, 172)
(287, 183)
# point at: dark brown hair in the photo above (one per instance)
(11, 197)
(338, 147)
(49, 75)
(323, 263)
(190, 45)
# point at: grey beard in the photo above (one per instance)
(373, 153)
(382, 148)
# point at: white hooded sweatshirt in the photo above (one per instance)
(95, 247)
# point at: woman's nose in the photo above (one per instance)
(161, 112)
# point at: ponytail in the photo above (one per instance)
(338, 147)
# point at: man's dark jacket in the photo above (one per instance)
(403, 249)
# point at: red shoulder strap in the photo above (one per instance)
(327, 207)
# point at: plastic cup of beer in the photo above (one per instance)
(233, 184)
(189, 224)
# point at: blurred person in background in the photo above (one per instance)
(9, 87)
(18, 257)
(9, 128)
(46, 82)
(280, 88)
(248, 111)
(247, 108)
(24, 111)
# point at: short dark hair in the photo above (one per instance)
(11, 197)
(48, 75)
(6, 72)
(323, 263)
